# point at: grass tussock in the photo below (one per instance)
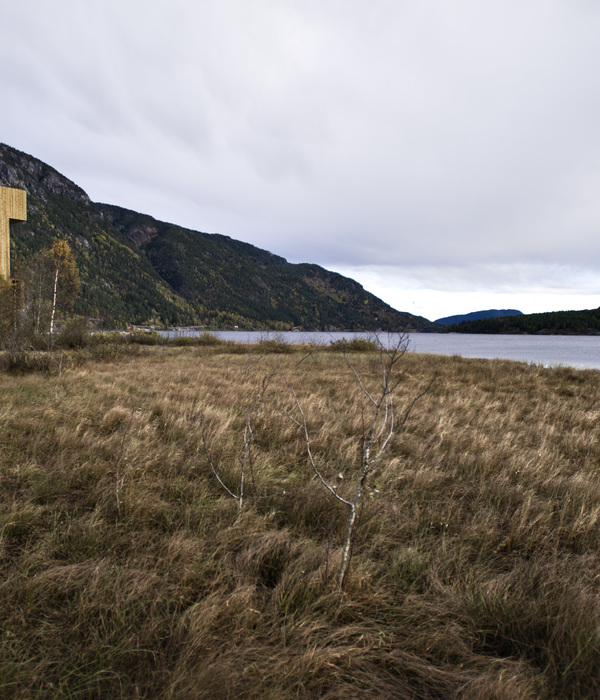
(127, 570)
(354, 345)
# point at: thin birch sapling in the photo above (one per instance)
(381, 424)
(245, 457)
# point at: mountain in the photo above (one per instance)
(476, 315)
(585, 322)
(137, 270)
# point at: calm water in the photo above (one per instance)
(571, 350)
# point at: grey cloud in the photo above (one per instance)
(402, 135)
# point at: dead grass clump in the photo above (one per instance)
(545, 615)
(114, 418)
(25, 361)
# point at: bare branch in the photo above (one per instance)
(304, 357)
(407, 411)
(304, 427)
(208, 454)
(359, 380)
(245, 457)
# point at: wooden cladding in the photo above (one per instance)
(13, 207)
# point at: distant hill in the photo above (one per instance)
(550, 323)
(137, 270)
(476, 315)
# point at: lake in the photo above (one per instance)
(581, 351)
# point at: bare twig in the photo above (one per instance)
(246, 455)
(302, 424)
(207, 452)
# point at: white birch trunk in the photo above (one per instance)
(54, 302)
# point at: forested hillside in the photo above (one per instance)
(136, 270)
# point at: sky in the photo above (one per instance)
(446, 155)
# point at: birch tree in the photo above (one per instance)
(64, 278)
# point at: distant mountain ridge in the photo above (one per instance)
(477, 315)
(137, 270)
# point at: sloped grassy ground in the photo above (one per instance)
(125, 574)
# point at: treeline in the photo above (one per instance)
(551, 323)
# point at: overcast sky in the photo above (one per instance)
(445, 154)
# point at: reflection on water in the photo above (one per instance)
(571, 350)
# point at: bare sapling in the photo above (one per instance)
(381, 423)
(245, 457)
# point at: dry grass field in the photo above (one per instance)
(127, 570)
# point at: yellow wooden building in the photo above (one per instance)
(13, 207)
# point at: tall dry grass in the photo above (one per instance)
(475, 565)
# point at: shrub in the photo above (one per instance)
(207, 338)
(146, 338)
(354, 345)
(273, 346)
(74, 334)
(19, 361)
